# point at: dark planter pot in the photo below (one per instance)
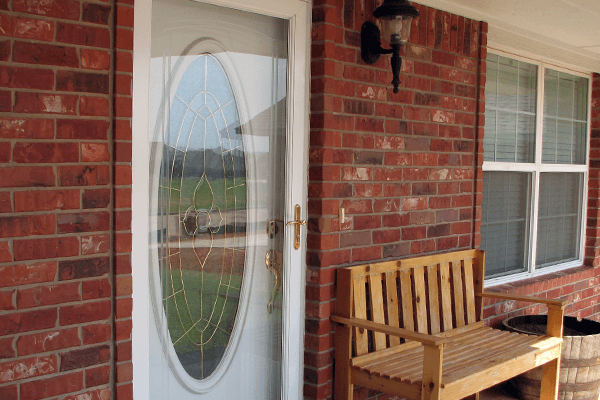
(580, 358)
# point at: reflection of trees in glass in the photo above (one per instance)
(204, 183)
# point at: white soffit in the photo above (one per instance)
(566, 32)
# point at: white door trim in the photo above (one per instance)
(298, 14)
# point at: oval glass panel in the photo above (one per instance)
(204, 191)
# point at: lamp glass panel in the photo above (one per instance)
(396, 28)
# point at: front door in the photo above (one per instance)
(223, 190)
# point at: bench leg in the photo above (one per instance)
(550, 378)
(343, 388)
(432, 373)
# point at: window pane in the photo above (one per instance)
(565, 122)
(504, 221)
(510, 110)
(559, 218)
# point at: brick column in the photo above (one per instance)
(56, 307)
(592, 245)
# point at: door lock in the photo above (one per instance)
(297, 222)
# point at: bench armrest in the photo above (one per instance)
(541, 300)
(427, 340)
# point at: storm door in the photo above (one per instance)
(222, 205)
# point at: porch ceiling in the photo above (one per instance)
(571, 27)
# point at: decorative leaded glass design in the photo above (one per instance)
(203, 189)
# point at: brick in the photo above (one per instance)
(48, 295)
(27, 176)
(123, 152)
(94, 106)
(27, 226)
(96, 198)
(74, 81)
(5, 255)
(88, 312)
(123, 61)
(16, 275)
(124, 16)
(48, 341)
(42, 153)
(123, 330)
(123, 107)
(7, 349)
(27, 28)
(5, 152)
(123, 351)
(28, 321)
(43, 103)
(82, 129)
(26, 78)
(83, 222)
(123, 307)
(38, 249)
(123, 84)
(46, 200)
(64, 9)
(84, 268)
(83, 175)
(94, 152)
(97, 376)
(123, 286)
(17, 128)
(95, 13)
(65, 383)
(125, 372)
(5, 101)
(45, 54)
(9, 392)
(125, 391)
(124, 39)
(95, 59)
(95, 244)
(96, 333)
(86, 357)
(82, 35)
(5, 203)
(122, 175)
(7, 300)
(96, 289)
(27, 368)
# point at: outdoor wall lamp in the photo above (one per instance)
(396, 17)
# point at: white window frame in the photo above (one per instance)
(538, 167)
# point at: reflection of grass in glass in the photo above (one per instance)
(179, 319)
(237, 192)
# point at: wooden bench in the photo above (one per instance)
(413, 328)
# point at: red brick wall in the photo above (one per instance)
(64, 208)
(406, 167)
(401, 165)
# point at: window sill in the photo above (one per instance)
(539, 283)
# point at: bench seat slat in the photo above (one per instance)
(462, 358)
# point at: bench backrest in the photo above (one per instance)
(430, 294)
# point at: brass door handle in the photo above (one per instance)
(273, 263)
(297, 222)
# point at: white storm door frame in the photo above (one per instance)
(297, 12)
